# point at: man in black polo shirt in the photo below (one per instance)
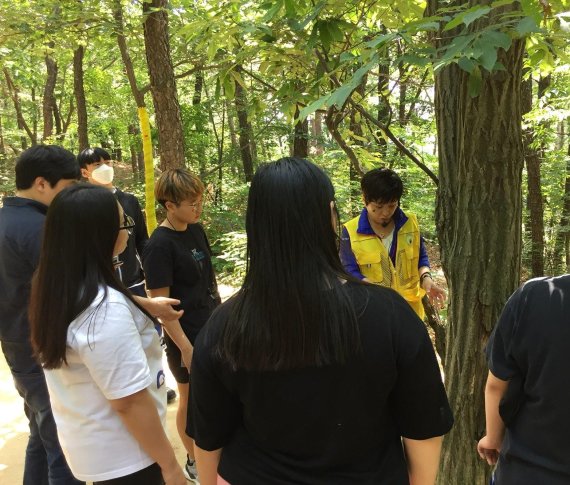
(41, 172)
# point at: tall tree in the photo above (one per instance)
(163, 84)
(478, 216)
(532, 156)
(79, 93)
(142, 112)
(244, 129)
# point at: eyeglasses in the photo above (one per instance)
(128, 224)
(196, 205)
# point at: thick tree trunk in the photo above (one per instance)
(245, 132)
(163, 85)
(535, 210)
(49, 98)
(478, 214)
(79, 93)
(301, 137)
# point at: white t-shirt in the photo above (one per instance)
(387, 240)
(113, 351)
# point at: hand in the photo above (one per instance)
(174, 475)
(435, 294)
(488, 450)
(161, 307)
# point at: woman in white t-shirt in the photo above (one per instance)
(99, 348)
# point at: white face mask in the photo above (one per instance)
(103, 174)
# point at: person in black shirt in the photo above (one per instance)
(308, 376)
(41, 173)
(527, 396)
(177, 263)
(97, 167)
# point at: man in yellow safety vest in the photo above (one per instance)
(383, 245)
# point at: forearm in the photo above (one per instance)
(494, 391)
(207, 463)
(422, 457)
(139, 415)
(176, 333)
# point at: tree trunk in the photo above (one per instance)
(200, 121)
(147, 158)
(163, 85)
(535, 221)
(79, 93)
(300, 136)
(245, 132)
(403, 89)
(49, 98)
(22, 125)
(478, 215)
(317, 133)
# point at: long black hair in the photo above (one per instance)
(293, 309)
(80, 232)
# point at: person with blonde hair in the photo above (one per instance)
(177, 263)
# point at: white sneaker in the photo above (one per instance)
(190, 471)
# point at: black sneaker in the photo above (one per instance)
(170, 395)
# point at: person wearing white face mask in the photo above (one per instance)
(97, 167)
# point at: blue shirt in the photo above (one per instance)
(347, 256)
(21, 226)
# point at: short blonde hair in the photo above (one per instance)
(176, 185)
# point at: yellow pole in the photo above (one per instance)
(148, 170)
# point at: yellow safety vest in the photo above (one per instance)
(375, 263)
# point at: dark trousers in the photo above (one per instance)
(44, 463)
(150, 475)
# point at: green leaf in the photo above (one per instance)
(309, 18)
(499, 39)
(273, 11)
(526, 26)
(290, 8)
(489, 57)
(475, 13)
(457, 20)
(229, 87)
(466, 64)
(475, 82)
(381, 40)
(501, 3)
(314, 106)
(237, 76)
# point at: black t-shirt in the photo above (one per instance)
(131, 271)
(323, 425)
(530, 348)
(181, 260)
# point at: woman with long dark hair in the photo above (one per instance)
(306, 376)
(99, 348)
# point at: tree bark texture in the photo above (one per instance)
(478, 216)
(22, 125)
(301, 137)
(79, 93)
(317, 133)
(49, 97)
(163, 85)
(535, 210)
(244, 131)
